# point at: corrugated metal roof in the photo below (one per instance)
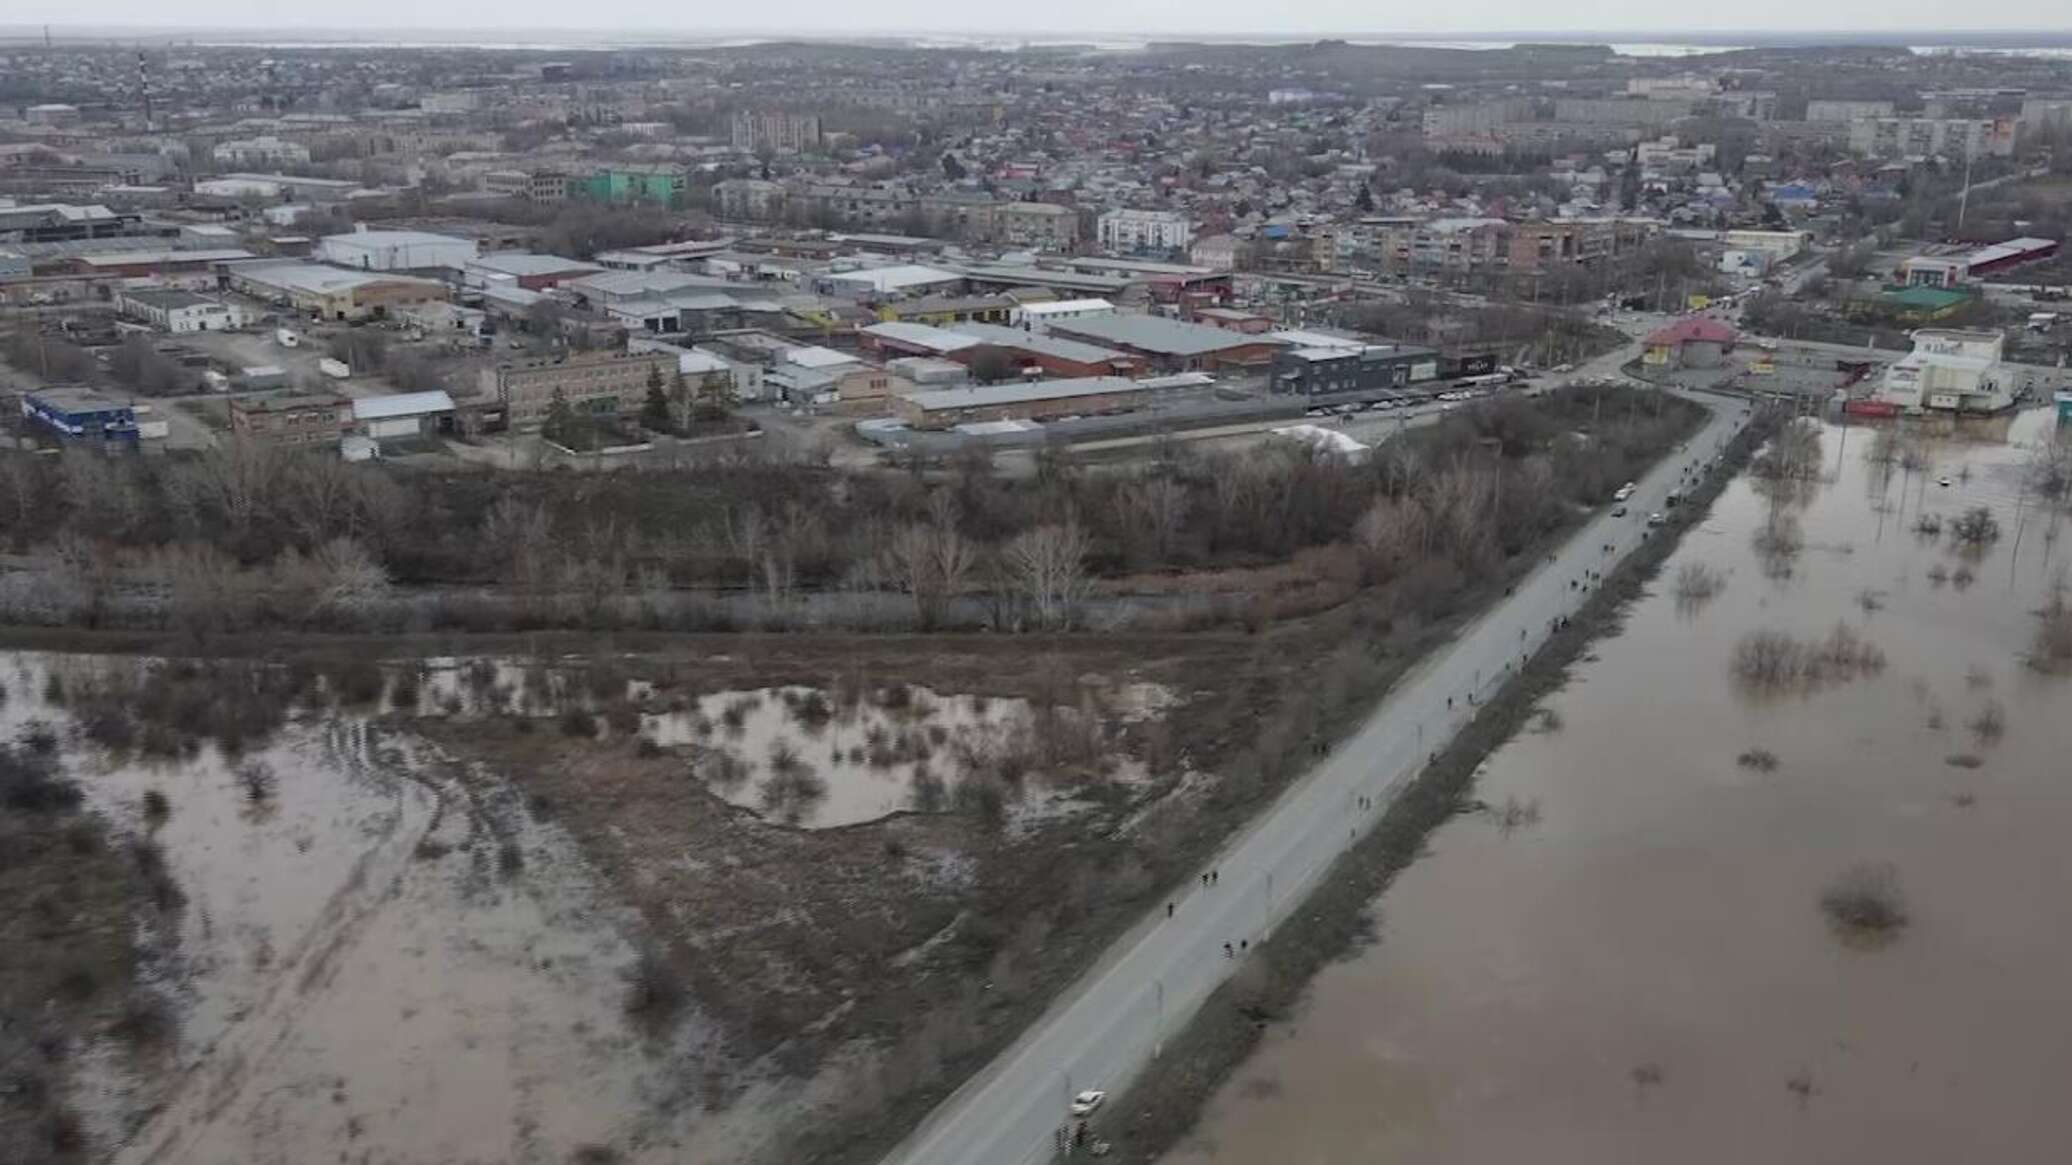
(1162, 336)
(920, 336)
(993, 395)
(401, 404)
(1078, 351)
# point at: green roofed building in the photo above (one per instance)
(1917, 304)
(656, 185)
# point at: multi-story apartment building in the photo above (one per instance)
(1666, 154)
(963, 216)
(597, 382)
(1621, 111)
(1475, 118)
(1948, 137)
(750, 198)
(1541, 246)
(659, 183)
(1139, 231)
(775, 130)
(261, 151)
(1837, 110)
(1043, 225)
(527, 185)
(2042, 114)
(1399, 245)
(852, 205)
(1458, 244)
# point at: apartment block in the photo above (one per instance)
(1043, 225)
(1917, 137)
(775, 130)
(1138, 231)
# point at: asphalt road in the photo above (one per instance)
(1112, 1022)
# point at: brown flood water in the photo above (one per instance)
(358, 974)
(1642, 972)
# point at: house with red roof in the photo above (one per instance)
(1692, 342)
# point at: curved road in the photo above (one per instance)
(1108, 1025)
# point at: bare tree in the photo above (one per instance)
(1389, 534)
(598, 568)
(354, 583)
(521, 533)
(206, 590)
(1048, 565)
(1159, 505)
(930, 561)
(84, 574)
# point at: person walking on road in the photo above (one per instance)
(1169, 910)
(1227, 952)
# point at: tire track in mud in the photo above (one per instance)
(227, 1071)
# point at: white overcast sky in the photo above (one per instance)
(1165, 19)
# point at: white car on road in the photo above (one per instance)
(1084, 1104)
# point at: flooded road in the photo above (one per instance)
(1632, 963)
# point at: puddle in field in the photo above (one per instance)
(1638, 964)
(372, 961)
(819, 758)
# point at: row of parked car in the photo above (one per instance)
(1401, 400)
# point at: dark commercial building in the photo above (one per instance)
(81, 414)
(1326, 370)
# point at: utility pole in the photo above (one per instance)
(1964, 197)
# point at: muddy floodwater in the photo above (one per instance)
(373, 961)
(1626, 957)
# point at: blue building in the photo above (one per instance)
(81, 414)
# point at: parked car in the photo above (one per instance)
(1619, 512)
(1084, 1104)
(1656, 518)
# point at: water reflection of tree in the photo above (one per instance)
(1779, 541)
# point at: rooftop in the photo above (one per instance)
(316, 278)
(1923, 298)
(76, 399)
(393, 239)
(920, 336)
(994, 395)
(1078, 351)
(1159, 335)
(896, 278)
(811, 356)
(1700, 329)
(281, 402)
(1067, 307)
(1023, 275)
(162, 255)
(401, 404)
(166, 298)
(521, 263)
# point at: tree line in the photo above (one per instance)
(288, 538)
